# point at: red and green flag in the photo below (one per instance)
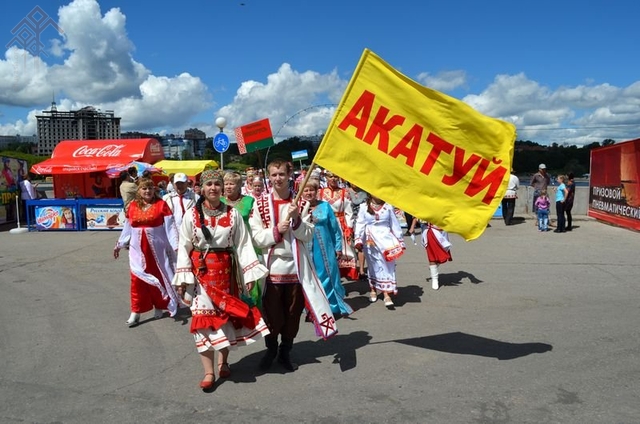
(254, 136)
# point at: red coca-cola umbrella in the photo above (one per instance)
(82, 156)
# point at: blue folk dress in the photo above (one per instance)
(327, 240)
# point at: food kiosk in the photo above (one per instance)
(85, 198)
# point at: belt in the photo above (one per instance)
(214, 249)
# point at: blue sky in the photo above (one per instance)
(561, 71)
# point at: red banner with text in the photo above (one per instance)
(614, 188)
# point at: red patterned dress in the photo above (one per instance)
(216, 272)
(152, 237)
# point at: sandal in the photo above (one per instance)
(388, 301)
(223, 370)
(208, 385)
(373, 297)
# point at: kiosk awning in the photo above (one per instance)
(189, 167)
(81, 156)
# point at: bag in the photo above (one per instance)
(393, 253)
(228, 303)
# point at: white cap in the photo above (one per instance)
(180, 178)
(542, 166)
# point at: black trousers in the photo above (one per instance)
(567, 211)
(560, 213)
(508, 209)
(283, 305)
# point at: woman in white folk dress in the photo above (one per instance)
(379, 235)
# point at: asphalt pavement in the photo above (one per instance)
(528, 327)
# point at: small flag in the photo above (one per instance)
(254, 136)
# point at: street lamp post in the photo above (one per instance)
(266, 159)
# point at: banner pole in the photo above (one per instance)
(304, 182)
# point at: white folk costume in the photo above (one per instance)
(180, 203)
(288, 261)
(436, 242)
(382, 242)
(246, 188)
(218, 270)
(340, 201)
(152, 238)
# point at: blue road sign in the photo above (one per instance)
(221, 142)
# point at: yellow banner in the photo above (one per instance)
(420, 150)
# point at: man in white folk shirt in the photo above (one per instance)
(181, 199)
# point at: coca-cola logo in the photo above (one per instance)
(155, 148)
(110, 150)
(43, 169)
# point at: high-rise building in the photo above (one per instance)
(84, 124)
(199, 141)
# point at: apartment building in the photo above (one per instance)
(53, 126)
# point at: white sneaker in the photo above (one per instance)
(133, 320)
(435, 284)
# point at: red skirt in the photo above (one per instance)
(435, 252)
(217, 277)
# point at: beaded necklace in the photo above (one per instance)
(215, 212)
(234, 202)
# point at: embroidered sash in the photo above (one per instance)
(316, 300)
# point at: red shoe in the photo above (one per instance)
(208, 385)
(224, 371)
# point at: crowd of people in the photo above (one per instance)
(563, 195)
(248, 259)
(564, 198)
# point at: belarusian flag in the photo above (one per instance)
(254, 136)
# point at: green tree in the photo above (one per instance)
(209, 154)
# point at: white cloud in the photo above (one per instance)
(100, 66)
(510, 95)
(443, 81)
(23, 79)
(95, 66)
(569, 115)
(98, 70)
(165, 102)
(297, 103)
(20, 127)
